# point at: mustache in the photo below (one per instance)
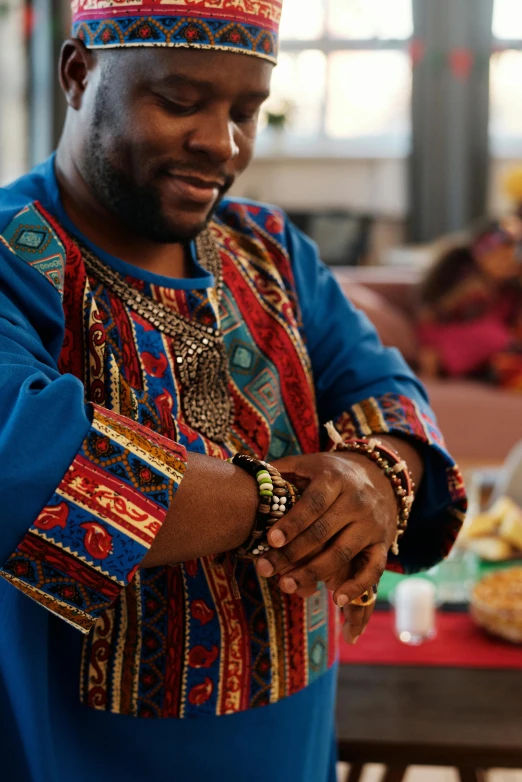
(175, 167)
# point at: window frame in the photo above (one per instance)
(270, 146)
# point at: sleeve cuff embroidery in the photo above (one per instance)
(87, 543)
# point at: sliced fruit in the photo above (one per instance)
(490, 549)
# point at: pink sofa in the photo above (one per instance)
(480, 423)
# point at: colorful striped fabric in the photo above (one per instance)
(173, 641)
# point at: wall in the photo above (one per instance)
(378, 187)
(375, 187)
(368, 186)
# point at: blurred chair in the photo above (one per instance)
(342, 237)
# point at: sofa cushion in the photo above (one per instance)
(480, 423)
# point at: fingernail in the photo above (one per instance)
(277, 538)
(289, 584)
(342, 600)
(265, 568)
(354, 640)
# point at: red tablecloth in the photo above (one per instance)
(459, 643)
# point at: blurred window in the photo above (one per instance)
(13, 87)
(507, 20)
(505, 126)
(343, 81)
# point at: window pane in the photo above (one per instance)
(13, 119)
(298, 84)
(363, 19)
(369, 94)
(507, 19)
(300, 25)
(506, 95)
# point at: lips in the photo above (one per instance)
(194, 188)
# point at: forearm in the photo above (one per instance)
(213, 511)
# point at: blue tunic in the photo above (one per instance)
(48, 735)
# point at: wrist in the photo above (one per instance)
(245, 507)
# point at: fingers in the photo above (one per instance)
(336, 560)
(293, 469)
(356, 619)
(318, 535)
(301, 569)
(363, 578)
(288, 464)
(309, 590)
(316, 499)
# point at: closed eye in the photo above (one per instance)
(244, 117)
(177, 109)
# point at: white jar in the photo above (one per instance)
(415, 611)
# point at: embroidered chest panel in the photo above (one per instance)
(176, 643)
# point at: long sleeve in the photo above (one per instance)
(84, 491)
(369, 389)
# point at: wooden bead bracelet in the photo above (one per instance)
(276, 497)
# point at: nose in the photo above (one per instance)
(214, 137)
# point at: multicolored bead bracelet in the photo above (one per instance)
(276, 497)
(393, 466)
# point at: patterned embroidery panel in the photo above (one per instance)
(86, 544)
(187, 32)
(174, 642)
(244, 26)
(32, 239)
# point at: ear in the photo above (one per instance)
(75, 66)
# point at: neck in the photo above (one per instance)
(104, 229)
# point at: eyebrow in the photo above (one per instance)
(180, 79)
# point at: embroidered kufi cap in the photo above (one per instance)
(243, 26)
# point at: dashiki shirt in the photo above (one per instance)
(125, 674)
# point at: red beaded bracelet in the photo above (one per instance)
(393, 466)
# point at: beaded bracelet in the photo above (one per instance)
(276, 497)
(393, 466)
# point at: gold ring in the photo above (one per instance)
(367, 598)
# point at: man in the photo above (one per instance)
(151, 328)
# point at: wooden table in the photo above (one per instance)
(399, 716)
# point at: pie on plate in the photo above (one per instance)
(496, 604)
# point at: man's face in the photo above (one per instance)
(163, 133)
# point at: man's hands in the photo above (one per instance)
(340, 531)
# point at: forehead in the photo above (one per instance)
(211, 70)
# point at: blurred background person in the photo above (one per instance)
(470, 320)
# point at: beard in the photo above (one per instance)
(138, 207)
